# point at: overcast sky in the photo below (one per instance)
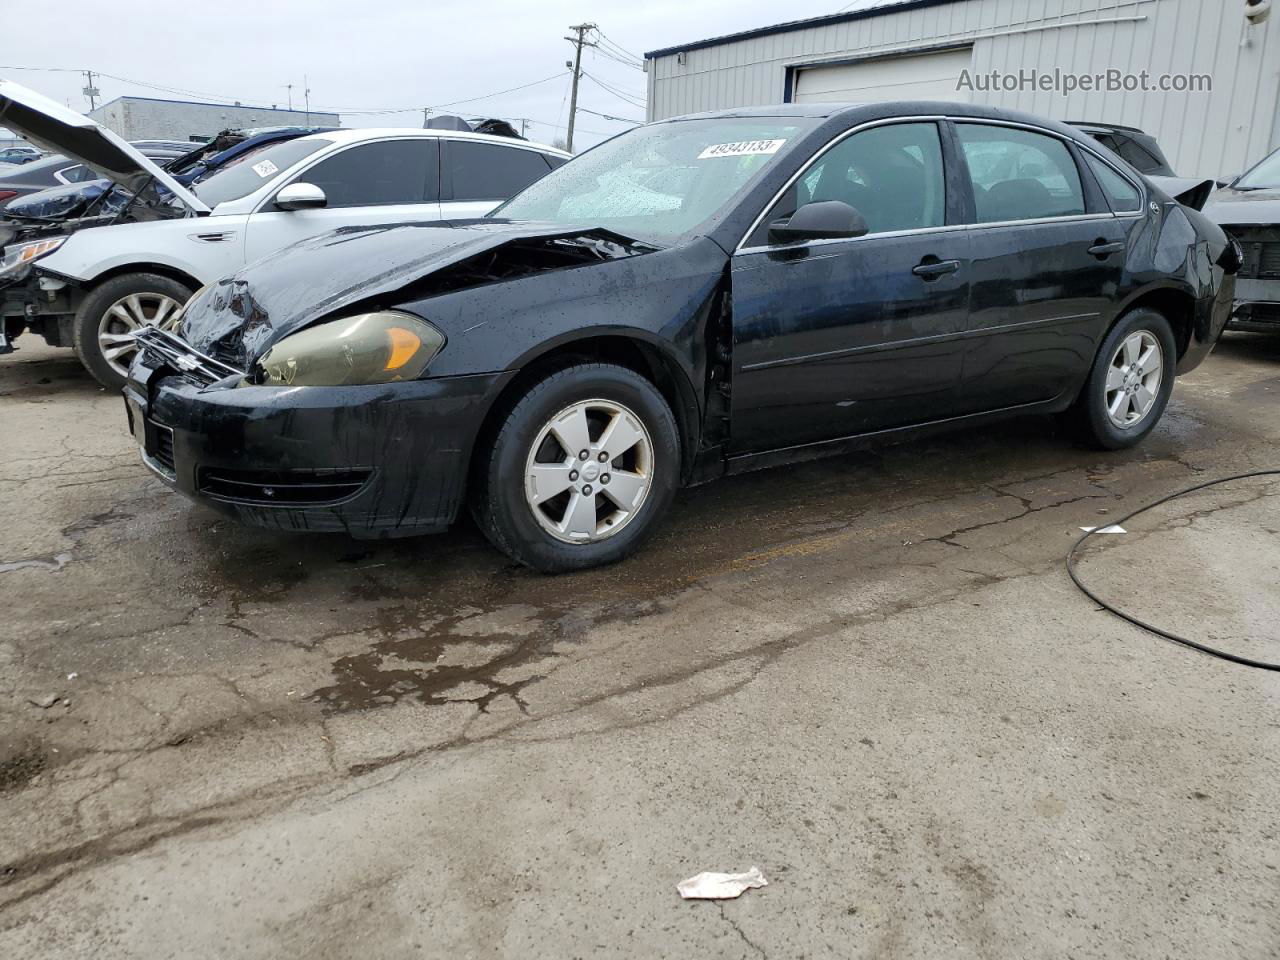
(378, 54)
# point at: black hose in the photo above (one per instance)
(1167, 634)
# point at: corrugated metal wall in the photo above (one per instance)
(1204, 134)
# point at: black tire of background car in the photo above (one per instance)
(96, 303)
(1072, 556)
(499, 504)
(1087, 419)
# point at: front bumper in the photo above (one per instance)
(1257, 306)
(374, 461)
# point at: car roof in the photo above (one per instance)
(379, 133)
(890, 109)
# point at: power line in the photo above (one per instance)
(617, 59)
(626, 97)
(608, 116)
(611, 42)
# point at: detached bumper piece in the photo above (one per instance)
(372, 461)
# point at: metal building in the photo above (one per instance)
(145, 118)
(947, 49)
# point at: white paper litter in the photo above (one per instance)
(721, 886)
(1114, 528)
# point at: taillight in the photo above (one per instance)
(6, 195)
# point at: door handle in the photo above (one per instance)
(931, 268)
(1102, 249)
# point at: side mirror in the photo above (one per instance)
(1228, 181)
(824, 220)
(301, 196)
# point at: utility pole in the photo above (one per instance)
(289, 87)
(306, 94)
(578, 42)
(91, 91)
(524, 125)
(426, 115)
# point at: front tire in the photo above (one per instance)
(580, 470)
(1130, 382)
(117, 308)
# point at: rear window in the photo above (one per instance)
(246, 173)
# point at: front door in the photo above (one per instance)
(840, 337)
(388, 181)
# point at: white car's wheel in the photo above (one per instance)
(114, 311)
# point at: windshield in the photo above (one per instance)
(1264, 176)
(658, 182)
(238, 179)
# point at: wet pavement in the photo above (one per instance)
(868, 676)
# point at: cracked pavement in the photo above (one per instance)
(869, 676)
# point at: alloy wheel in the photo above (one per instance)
(127, 316)
(589, 471)
(1133, 378)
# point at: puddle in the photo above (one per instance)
(52, 563)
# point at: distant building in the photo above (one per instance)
(145, 118)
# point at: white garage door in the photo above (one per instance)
(927, 76)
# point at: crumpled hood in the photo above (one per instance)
(237, 319)
(1244, 207)
(60, 130)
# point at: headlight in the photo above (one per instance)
(367, 348)
(20, 254)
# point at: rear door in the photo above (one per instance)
(386, 181)
(1048, 260)
(478, 175)
(845, 336)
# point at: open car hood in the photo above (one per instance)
(59, 130)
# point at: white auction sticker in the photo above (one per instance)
(743, 148)
(265, 168)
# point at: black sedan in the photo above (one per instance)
(695, 297)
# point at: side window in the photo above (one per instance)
(1121, 194)
(77, 174)
(892, 175)
(1020, 175)
(488, 171)
(376, 174)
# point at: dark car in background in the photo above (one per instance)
(60, 171)
(1248, 208)
(695, 297)
(1138, 149)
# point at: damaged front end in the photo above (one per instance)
(341, 384)
(239, 319)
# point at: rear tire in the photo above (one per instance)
(1129, 384)
(544, 504)
(120, 306)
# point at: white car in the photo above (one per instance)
(91, 288)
